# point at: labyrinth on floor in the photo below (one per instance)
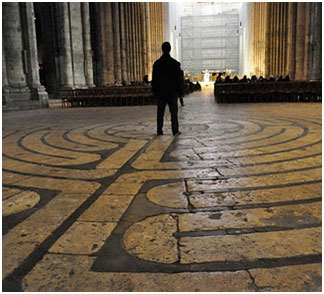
(235, 194)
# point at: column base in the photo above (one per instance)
(25, 98)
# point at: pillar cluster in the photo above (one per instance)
(127, 38)
(287, 39)
(62, 45)
(21, 86)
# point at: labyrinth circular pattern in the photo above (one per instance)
(238, 192)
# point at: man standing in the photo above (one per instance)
(167, 87)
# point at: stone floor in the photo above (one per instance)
(94, 201)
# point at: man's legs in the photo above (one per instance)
(160, 115)
(173, 107)
(181, 100)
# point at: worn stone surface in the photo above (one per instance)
(20, 202)
(107, 209)
(169, 195)
(283, 216)
(232, 204)
(68, 272)
(300, 277)
(251, 197)
(251, 246)
(152, 239)
(83, 238)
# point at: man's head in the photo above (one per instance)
(166, 47)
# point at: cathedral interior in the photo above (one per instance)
(94, 201)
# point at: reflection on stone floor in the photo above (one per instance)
(94, 201)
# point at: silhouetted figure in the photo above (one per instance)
(280, 79)
(261, 79)
(166, 83)
(254, 79)
(228, 79)
(244, 80)
(219, 78)
(271, 79)
(182, 87)
(197, 87)
(286, 79)
(235, 79)
(146, 80)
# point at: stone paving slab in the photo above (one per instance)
(94, 201)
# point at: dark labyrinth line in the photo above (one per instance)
(243, 231)
(305, 132)
(240, 189)
(85, 166)
(253, 206)
(99, 139)
(183, 147)
(304, 119)
(21, 145)
(66, 137)
(281, 151)
(98, 180)
(272, 173)
(264, 138)
(99, 151)
(13, 280)
(240, 136)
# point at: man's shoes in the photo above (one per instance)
(176, 134)
(160, 133)
(182, 104)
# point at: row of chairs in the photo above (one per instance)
(108, 96)
(268, 92)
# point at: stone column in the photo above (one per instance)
(162, 22)
(267, 40)
(139, 42)
(78, 60)
(109, 44)
(5, 85)
(123, 24)
(87, 44)
(300, 40)
(133, 47)
(143, 38)
(66, 57)
(13, 47)
(118, 77)
(29, 32)
(128, 41)
(277, 39)
(291, 40)
(307, 37)
(284, 39)
(135, 31)
(148, 40)
(315, 50)
(21, 80)
(254, 39)
(101, 56)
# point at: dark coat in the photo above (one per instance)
(167, 77)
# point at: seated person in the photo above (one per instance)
(228, 79)
(146, 80)
(244, 79)
(286, 79)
